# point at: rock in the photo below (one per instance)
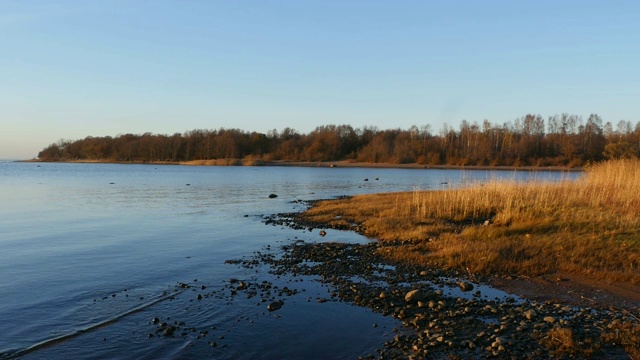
(168, 331)
(275, 305)
(199, 297)
(549, 319)
(155, 320)
(529, 314)
(272, 196)
(423, 273)
(465, 286)
(323, 233)
(413, 296)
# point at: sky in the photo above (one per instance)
(72, 69)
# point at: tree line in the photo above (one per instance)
(559, 140)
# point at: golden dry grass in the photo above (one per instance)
(588, 226)
(213, 162)
(246, 161)
(563, 343)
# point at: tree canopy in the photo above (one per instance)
(559, 140)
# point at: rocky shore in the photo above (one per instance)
(447, 314)
(441, 313)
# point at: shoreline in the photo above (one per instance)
(448, 313)
(327, 164)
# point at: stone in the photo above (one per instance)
(272, 196)
(168, 331)
(276, 305)
(323, 233)
(549, 319)
(465, 286)
(529, 314)
(413, 296)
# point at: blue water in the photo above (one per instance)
(83, 245)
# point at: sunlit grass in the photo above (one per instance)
(589, 226)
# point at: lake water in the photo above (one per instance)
(90, 253)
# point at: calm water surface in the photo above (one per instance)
(83, 245)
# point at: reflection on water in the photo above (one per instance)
(81, 244)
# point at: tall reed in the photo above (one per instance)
(589, 226)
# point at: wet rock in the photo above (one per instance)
(323, 233)
(169, 330)
(465, 286)
(276, 305)
(272, 196)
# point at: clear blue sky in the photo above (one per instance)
(70, 69)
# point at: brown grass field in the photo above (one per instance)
(589, 226)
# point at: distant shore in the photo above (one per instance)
(328, 164)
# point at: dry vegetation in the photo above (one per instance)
(246, 161)
(589, 226)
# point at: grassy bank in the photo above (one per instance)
(589, 226)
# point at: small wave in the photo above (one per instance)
(12, 354)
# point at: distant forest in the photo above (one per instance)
(560, 140)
